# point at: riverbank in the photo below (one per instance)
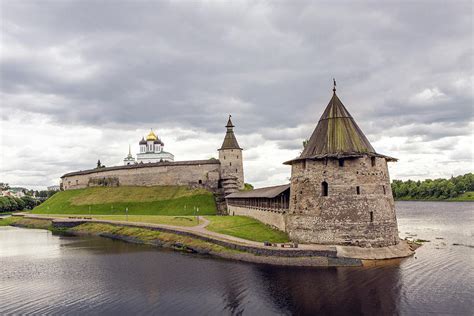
(457, 199)
(196, 240)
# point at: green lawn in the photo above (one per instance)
(157, 200)
(466, 196)
(246, 228)
(6, 221)
(154, 219)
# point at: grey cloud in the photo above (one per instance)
(269, 64)
(171, 63)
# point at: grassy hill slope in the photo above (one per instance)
(157, 200)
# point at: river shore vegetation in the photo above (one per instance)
(129, 234)
(460, 188)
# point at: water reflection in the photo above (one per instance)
(346, 290)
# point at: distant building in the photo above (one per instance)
(151, 150)
(53, 188)
(13, 193)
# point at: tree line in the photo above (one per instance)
(31, 199)
(12, 203)
(437, 189)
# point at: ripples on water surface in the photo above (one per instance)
(45, 274)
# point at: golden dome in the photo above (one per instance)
(151, 136)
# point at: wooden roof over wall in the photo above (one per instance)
(268, 192)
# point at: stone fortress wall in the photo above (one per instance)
(203, 173)
(221, 177)
(269, 217)
(359, 208)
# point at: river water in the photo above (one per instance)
(45, 274)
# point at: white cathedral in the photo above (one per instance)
(151, 150)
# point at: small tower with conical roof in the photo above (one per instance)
(230, 156)
(340, 187)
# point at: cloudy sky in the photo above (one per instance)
(81, 80)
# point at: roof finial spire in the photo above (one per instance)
(334, 87)
(229, 122)
(129, 150)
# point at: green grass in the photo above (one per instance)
(154, 219)
(6, 221)
(466, 196)
(246, 228)
(147, 235)
(157, 200)
(26, 222)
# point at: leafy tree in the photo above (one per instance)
(433, 189)
(248, 187)
(30, 202)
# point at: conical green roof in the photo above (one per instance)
(230, 142)
(337, 135)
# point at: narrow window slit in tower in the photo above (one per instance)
(324, 188)
(384, 190)
(372, 160)
(371, 217)
(341, 162)
(358, 190)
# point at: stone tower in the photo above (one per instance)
(230, 156)
(340, 187)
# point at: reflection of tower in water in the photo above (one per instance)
(346, 291)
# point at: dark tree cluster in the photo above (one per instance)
(437, 189)
(31, 199)
(12, 204)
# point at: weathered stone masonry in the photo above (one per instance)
(340, 188)
(358, 209)
(200, 172)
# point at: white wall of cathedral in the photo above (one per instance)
(154, 157)
(149, 146)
